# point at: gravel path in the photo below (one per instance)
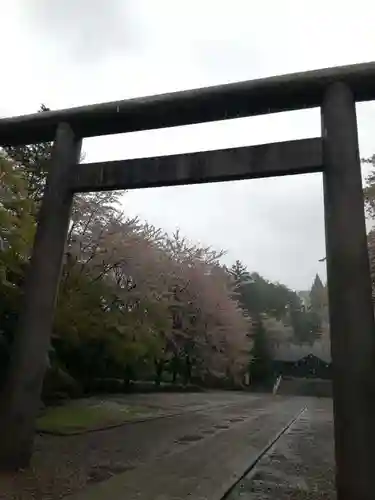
(207, 465)
(63, 465)
(196, 454)
(301, 464)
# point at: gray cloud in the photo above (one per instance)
(86, 30)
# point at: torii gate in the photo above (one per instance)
(335, 154)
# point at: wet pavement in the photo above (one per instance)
(206, 444)
(300, 466)
(211, 459)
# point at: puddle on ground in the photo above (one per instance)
(103, 472)
(189, 439)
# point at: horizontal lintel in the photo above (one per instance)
(266, 160)
(232, 100)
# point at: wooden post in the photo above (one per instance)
(351, 310)
(21, 398)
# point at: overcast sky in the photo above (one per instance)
(67, 53)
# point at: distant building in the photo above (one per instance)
(290, 357)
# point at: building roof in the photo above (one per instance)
(294, 352)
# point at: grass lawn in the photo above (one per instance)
(81, 416)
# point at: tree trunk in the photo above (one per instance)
(187, 370)
(174, 366)
(159, 368)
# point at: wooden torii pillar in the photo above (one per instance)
(350, 305)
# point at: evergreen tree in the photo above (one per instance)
(261, 364)
(318, 297)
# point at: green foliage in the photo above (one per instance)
(17, 228)
(261, 365)
(31, 162)
(259, 296)
(318, 295)
(17, 225)
(264, 301)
